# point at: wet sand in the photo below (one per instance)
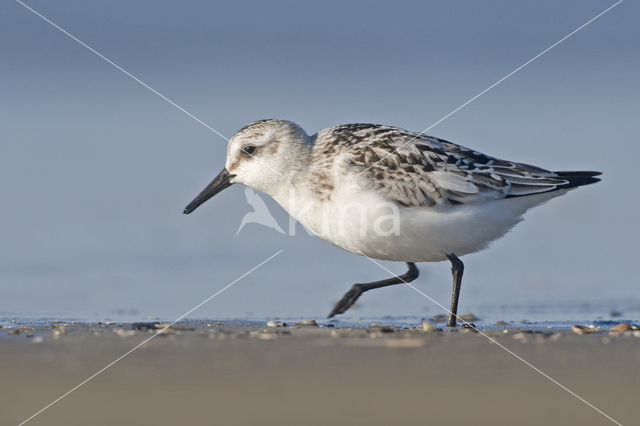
(224, 374)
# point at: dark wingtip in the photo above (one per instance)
(190, 207)
(578, 178)
(581, 173)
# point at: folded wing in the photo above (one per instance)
(417, 170)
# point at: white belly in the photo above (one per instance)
(366, 224)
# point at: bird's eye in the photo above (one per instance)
(249, 150)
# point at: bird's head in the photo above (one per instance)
(262, 155)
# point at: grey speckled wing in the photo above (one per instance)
(417, 170)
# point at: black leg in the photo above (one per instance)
(457, 268)
(352, 295)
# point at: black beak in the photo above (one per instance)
(222, 181)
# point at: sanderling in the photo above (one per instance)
(388, 193)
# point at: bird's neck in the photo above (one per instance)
(294, 193)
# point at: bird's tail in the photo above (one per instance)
(575, 179)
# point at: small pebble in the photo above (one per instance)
(124, 333)
(520, 336)
(582, 329)
(469, 327)
(311, 323)
(144, 325)
(427, 327)
(622, 327)
(161, 325)
(59, 330)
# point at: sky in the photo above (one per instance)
(95, 169)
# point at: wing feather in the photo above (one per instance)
(417, 170)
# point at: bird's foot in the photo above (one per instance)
(347, 300)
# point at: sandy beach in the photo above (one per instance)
(208, 373)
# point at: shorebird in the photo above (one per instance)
(439, 200)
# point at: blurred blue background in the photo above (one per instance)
(95, 169)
